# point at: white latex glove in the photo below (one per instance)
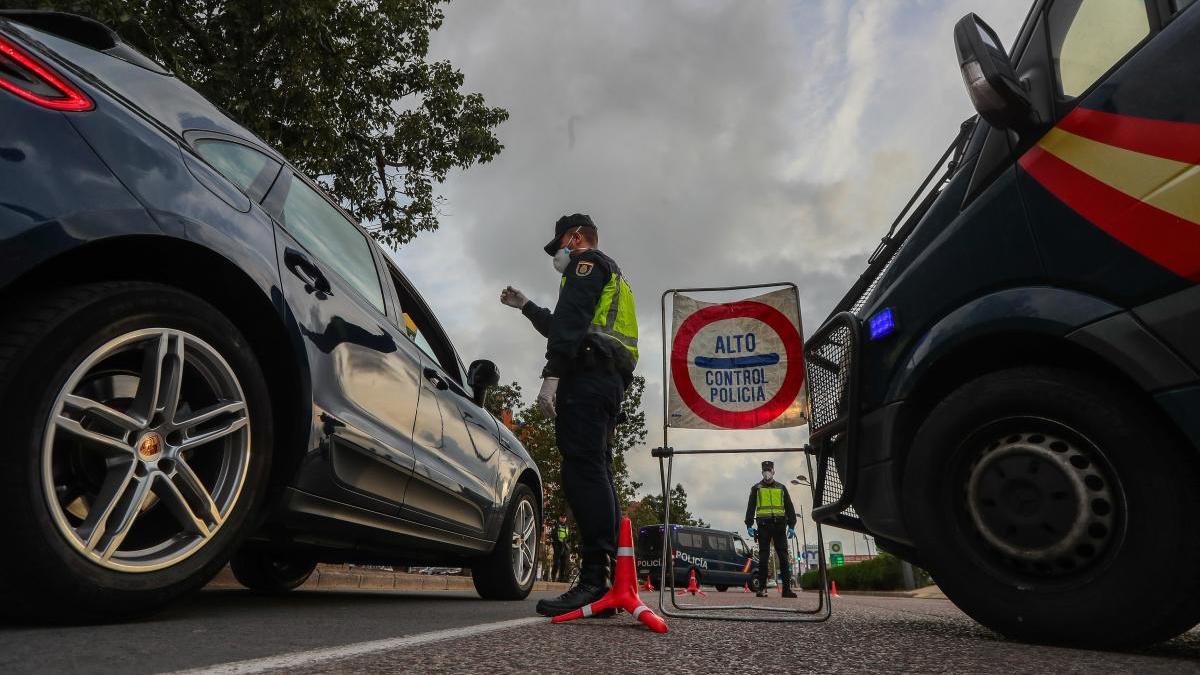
(513, 298)
(545, 397)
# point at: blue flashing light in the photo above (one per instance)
(882, 324)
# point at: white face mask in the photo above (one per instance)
(562, 258)
(768, 475)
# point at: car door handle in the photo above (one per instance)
(307, 271)
(435, 378)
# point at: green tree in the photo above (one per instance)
(343, 88)
(650, 510)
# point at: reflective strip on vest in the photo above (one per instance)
(770, 502)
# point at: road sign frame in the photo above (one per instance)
(666, 462)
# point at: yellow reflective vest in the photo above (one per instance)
(769, 502)
(616, 313)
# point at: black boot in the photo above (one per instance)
(591, 587)
(787, 591)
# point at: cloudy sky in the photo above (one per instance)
(714, 143)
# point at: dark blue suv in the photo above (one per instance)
(202, 357)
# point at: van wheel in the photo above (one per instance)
(508, 572)
(755, 584)
(271, 572)
(1041, 498)
(139, 441)
(721, 588)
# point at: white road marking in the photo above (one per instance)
(315, 656)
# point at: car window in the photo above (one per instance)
(740, 547)
(248, 168)
(420, 327)
(413, 331)
(1088, 37)
(1179, 5)
(326, 233)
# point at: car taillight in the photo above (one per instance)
(32, 80)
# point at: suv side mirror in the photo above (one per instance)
(482, 375)
(995, 91)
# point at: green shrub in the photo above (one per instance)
(881, 573)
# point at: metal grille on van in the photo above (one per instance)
(829, 360)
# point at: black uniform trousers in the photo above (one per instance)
(773, 530)
(558, 569)
(586, 404)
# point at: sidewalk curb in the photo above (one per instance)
(346, 577)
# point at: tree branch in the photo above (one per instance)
(195, 32)
(381, 164)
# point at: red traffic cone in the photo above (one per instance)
(833, 590)
(693, 587)
(649, 586)
(623, 594)
(746, 587)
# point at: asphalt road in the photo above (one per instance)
(362, 632)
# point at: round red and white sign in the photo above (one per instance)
(737, 365)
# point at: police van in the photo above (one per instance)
(1010, 393)
(720, 559)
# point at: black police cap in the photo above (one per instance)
(768, 465)
(564, 225)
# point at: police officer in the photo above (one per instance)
(770, 507)
(558, 540)
(591, 351)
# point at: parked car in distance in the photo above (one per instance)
(204, 358)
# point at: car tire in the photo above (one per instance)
(1042, 499)
(755, 584)
(721, 588)
(271, 572)
(71, 364)
(508, 572)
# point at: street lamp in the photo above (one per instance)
(802, 480)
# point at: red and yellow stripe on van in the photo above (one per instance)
(1137, 179)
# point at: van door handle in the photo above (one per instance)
(307, 271)
(435, 379)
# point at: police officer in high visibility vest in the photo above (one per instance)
(770, 508)
(591, 351)
(558, 541)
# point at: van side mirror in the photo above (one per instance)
(997, 94)
(482, 375)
